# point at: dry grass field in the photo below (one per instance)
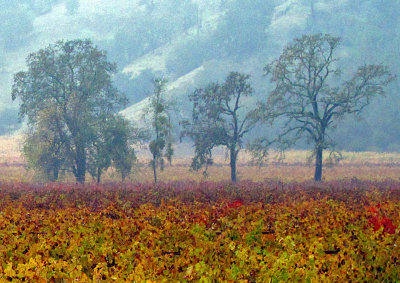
(361, 165)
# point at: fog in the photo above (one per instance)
(195, 42)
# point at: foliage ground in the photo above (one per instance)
(338, 231)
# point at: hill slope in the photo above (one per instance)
(193, 42)
(248, 34)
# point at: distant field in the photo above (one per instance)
(10, 150)
(362, 165)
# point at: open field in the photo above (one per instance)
(10, 174)
(360, 165)
(338, 231)
(288, 173)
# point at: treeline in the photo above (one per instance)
(71, 107)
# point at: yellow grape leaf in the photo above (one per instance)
(232, 246)
(9, 271)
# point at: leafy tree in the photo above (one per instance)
(219, 119)
(158, 111)
(74, 79)
(120, 135)
(305, 94)
(111, 147)
(45, 145)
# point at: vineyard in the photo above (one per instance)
(176, 141)
(337, 231)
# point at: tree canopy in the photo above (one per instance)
(66, 95)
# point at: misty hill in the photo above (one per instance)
(193, 42)
(246, 35)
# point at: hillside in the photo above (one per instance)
(194, 42)
(244, 40)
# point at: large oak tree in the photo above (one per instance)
(74, 80)
(306, 96)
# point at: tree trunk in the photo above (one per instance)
(98, 175)
(318, 164)
(154, 164)
(55, 173)
(233, 157)
(80, 164)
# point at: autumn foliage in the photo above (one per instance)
(185, 231)
(380, 221)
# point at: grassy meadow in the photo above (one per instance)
(295, 167)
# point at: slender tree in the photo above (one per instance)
(219, 119)
(159, 111)
(306, 98)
